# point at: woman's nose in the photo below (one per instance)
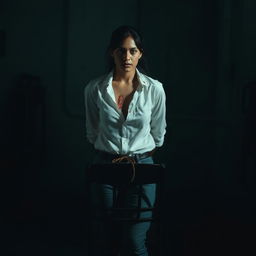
(127, 55)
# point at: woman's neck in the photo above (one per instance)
(124, 77)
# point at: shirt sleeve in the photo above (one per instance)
(91, 112)
(158, 117)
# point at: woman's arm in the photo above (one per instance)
(158, 117)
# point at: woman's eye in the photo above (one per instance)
(121, 50)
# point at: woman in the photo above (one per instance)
(125, 116)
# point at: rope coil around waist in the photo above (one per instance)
(130, 160)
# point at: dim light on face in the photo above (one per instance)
(126, 57)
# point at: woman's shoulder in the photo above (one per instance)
(152, 82)
(95, 82)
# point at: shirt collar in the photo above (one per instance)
(141, 77)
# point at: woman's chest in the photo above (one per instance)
(136, 107)
(123, 96)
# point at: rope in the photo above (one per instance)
(130, 160)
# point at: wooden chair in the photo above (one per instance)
(120, 175)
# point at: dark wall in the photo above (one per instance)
(204, 54)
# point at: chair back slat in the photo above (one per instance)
(121, 173)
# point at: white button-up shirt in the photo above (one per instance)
(145, 125)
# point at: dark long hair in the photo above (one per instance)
(117, 37)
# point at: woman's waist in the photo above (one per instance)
(135, 156)
(125, 146)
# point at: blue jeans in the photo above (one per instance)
(127, 238)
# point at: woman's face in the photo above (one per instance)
(127, 56)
